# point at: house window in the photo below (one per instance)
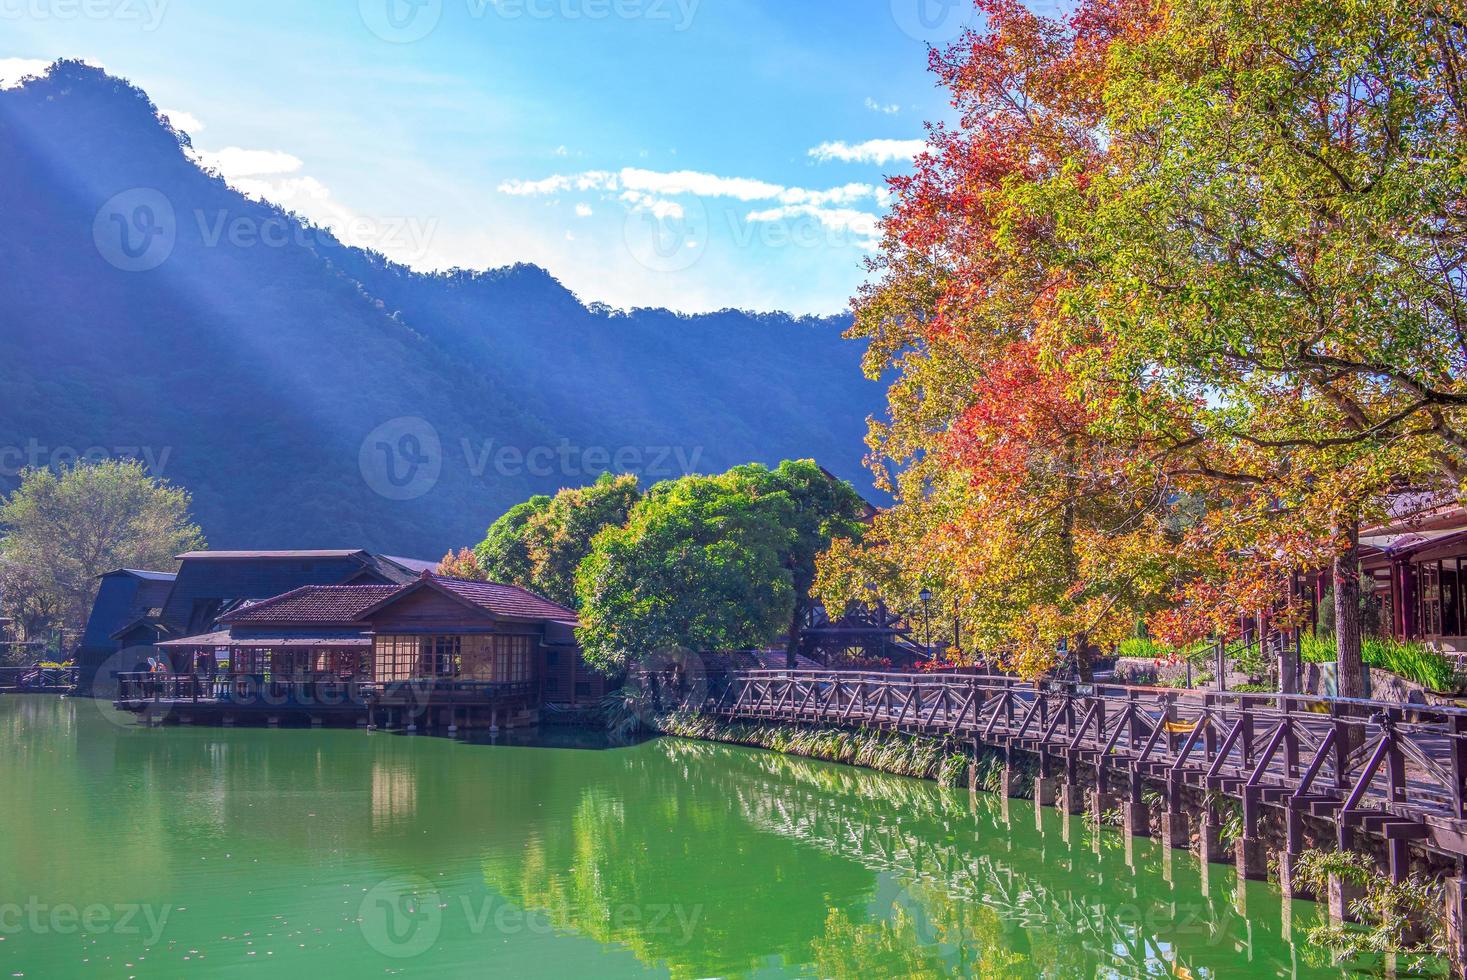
(512, 658)
(396, 658)
(443, 655)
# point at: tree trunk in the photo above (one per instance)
(1288, 665)
(1083, 665)
(792, 644)
(1347, 612)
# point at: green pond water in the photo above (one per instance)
(195, 852)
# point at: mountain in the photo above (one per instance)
(315, 395)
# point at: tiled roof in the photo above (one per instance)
(504, 600)
(312, 604)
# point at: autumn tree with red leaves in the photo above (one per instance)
(1175, 307)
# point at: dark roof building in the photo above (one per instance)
(136, 609)
(442, 649)
(126, 610)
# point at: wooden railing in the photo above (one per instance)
(317, 689)
(1392, 768)
(41, 680)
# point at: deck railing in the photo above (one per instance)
(317, 689)
(1385, 766)
(38, 679)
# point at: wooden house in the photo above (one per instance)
(435, 653)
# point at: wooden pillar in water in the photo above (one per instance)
(1044, 782)
(1136, 814)
(1074, 794)
(1174, 820)
(1456, 918)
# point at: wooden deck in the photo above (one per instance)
(1392, 770)
(321, 699)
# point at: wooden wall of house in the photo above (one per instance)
(430, 611)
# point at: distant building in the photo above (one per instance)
(1418, 562)
(435, 653)
(137, 609)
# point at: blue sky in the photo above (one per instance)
(694, 154)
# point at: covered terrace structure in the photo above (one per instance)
(299, 656)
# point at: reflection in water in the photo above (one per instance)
(394, 794)
(345, 854)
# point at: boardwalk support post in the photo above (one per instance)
(1074, 793)
(1044, 788)
(1209, 837)
(1456, 916)
(1174, 820)
(1137, 814)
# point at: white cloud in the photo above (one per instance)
(660, 208)
(561, 151)
(886, 110)
(871, 151)
(584, 211)
(12, 70)
(186, 121)
(863, 227)
(557, 183)
(700, 184)
(652, 183)
(232, 162)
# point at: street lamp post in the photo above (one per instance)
(926, 596)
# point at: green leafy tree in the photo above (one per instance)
(822, 509)
(539, 544)
(1266, 275)
(699, 566)
(711, 562)
(504, 554)
(63, 529)
(560, 536)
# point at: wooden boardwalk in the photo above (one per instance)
(1394, 771)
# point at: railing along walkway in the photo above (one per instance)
(1396, 769)
(38, 680)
